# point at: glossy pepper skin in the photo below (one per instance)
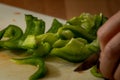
(55, 26)
(16, 39)
(34, 27)
(76, 50)
(79, 36)
(26, 41)
(10, 37)
(41, 44)
(36, 61)
(70, 31)
(45, 41)
(84, 26)
(74, 41)
(95, 72)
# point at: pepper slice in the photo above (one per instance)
(36, 61)
(95, 72)
(34, 27)
(69, 31)
(75, 41)
(76, 50)
(10, 37)
(55, 26)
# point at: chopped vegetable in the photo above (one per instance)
(76, 50)
(9, 37)
(55, 26)
(80, 33)
(34, 27)
(88, 63)
(95, 72)
(36, 61)
(73, 41)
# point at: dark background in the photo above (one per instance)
(66, 9)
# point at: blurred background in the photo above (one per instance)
(67, 9)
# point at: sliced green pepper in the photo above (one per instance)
(80, 35)
(34, 27)
(76, 50)
(90, 23)
(85, 25)
(70, 31)
(74, 41)
(95, 72)
(47, 37)
(55, 26)
(10, 37)
(42, 50)
(45, 43)
(36, 61)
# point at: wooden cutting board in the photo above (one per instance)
(58, 69)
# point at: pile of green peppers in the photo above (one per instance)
(73, 41)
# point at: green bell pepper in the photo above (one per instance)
(36, 61)
(10, 37)
(74, 41)
(95, 72)
(55, 26)
(76, 50)
(34, 27)
(79, 36)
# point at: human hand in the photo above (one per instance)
(109, 38)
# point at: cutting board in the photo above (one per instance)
(58, 69)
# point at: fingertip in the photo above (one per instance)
(117, 73)
(105, 66)
(100, 39)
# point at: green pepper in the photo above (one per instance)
(18, 40)
(84, 26)
(34, 27)
(44, 44)
(42, 50)
(74, 41)
(27, 41)
(10, 37)
(95, 72)
(55, 26)
(90, 23)
(76, 50)
(60, 43)
(47, 37)
(36, 61)
(69, 31)
(79, 36)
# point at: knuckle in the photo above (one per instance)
(110, 51)
(99, 34)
